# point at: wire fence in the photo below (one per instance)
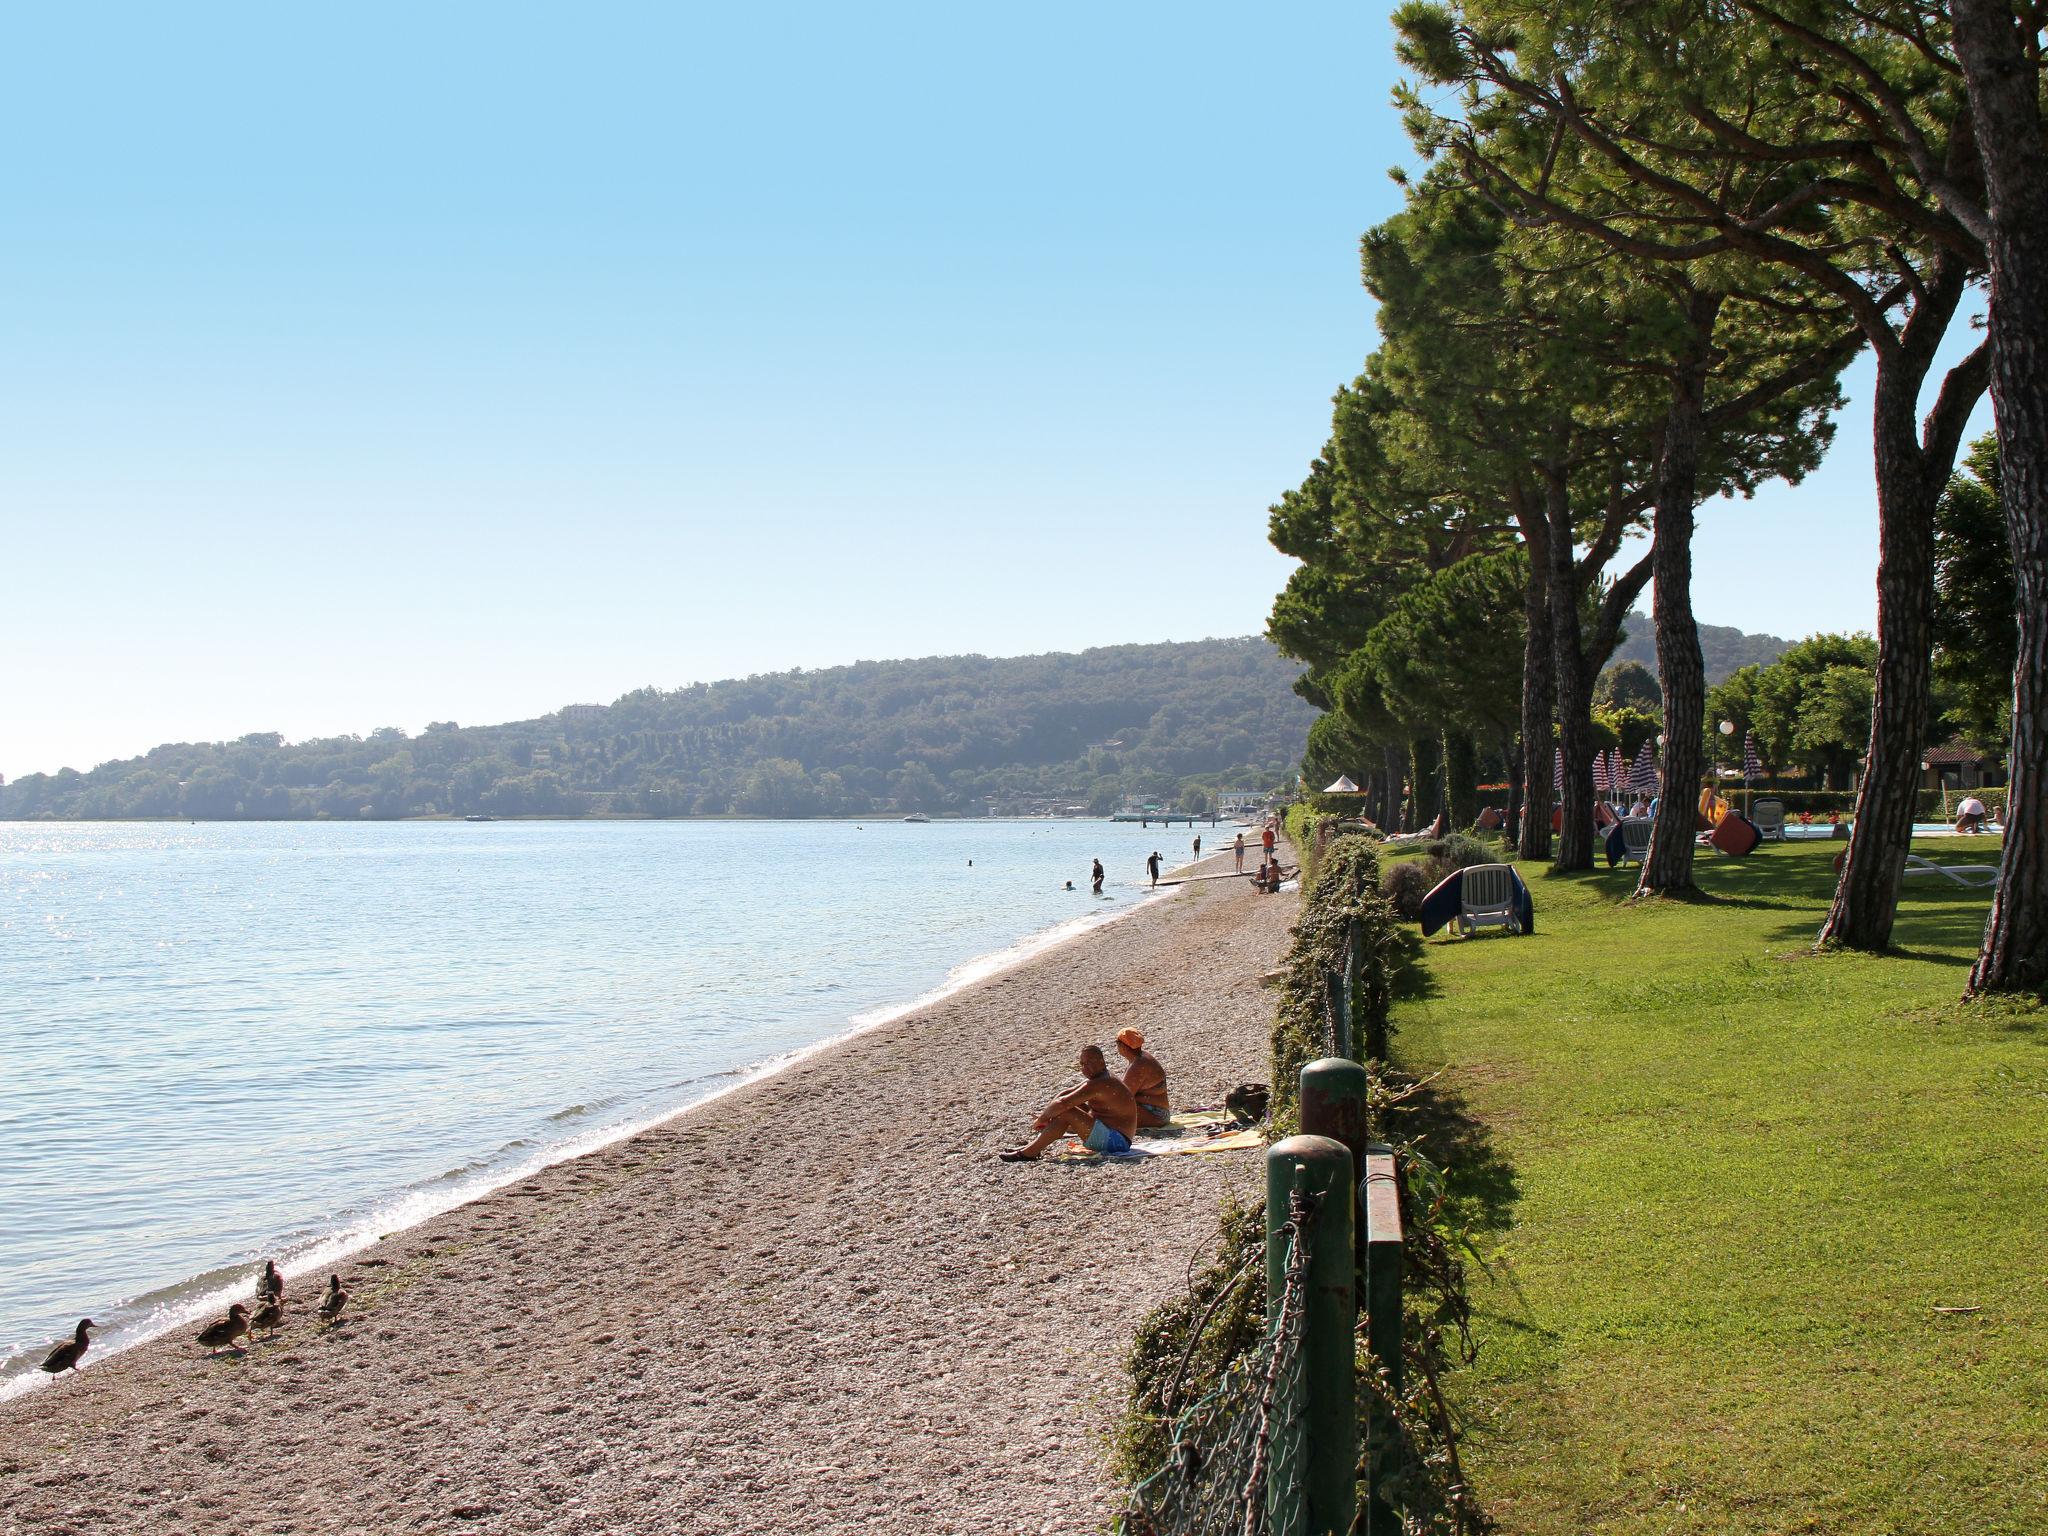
(1240, 1451)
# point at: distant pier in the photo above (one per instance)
(1164, 818)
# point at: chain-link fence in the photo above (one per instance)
(1240, 1450)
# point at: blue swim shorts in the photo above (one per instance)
(1104, 1137)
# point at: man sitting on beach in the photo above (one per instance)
(1101, 1112)
(1144, 1077)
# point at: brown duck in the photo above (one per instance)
(222, 1332)
(335, 1300)
(65, 1356)
(270, 1284)
(269, 1315)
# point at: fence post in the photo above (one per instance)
(1333, 1093)
(1321, 1497)
(1379, 1197)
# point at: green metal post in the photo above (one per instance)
(1333, 1104)
(1312, 1461)
(1379, 1196)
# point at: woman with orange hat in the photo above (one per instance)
(1144, 1077)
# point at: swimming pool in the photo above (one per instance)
(1795, 829)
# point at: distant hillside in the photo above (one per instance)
(1724, 649)
(950, 733)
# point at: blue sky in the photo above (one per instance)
(399, 364)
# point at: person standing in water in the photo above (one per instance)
(1152, 866)
(1198, 847)
(1098, 877)
(1238, 849)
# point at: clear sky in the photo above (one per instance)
(389, 364)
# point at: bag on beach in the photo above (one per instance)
(1247, 1103)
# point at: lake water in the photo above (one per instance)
(227, 1041)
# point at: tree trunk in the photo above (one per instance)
(1867, 897)
(1461, 778)
(1574, 690)
(2003, 88)
(1911, 472)
(1396, 763)
(1679, 664)
(1516, 760)
(1532, 831)
(1425, 795)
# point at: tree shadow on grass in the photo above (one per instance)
(1940, 926)
(1409, 980)
(1480, 1180)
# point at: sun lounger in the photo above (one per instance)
(1488, 898)
(1447, 901)
(1629, 843)
(1972, 877)
(1769, 816)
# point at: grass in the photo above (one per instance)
(1721, 1185)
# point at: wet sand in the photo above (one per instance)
(819, 1304)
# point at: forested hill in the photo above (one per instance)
(950, 733)
(1722, 648)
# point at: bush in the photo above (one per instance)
(1404, 885)
(1458, 851)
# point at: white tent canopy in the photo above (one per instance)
(1343, 786)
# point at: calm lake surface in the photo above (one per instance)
(227, 1041)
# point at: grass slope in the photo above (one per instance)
(1721, 1185)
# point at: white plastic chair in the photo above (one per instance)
(1769, 817)
(1486, 899)
(1635, 839)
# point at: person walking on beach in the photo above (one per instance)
(1266, 837)
(1152, 866)
(1198, 847)
(1144, 1077)
(1101, 1112)
(1098, 877)
(1238, 849)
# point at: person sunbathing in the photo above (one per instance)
(1144, 1077)
(1101, 1112)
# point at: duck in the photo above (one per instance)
(224, 1331)
(65, 1356)
(269, 1315)
(336, 1299)
(270, 1283)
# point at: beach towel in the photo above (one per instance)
(1072, 1151)
(1443, 904)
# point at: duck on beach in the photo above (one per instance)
(222, 1332)
(270, 1284)
(65, 1356)
(334, 1301)
(268, 1316)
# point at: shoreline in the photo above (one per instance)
(208, 1292)
(816, 1302)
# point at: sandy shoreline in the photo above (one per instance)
(817, 1303)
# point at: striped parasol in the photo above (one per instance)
(1752, 767)
(1642, 773)
(1557, 771)
(1601, 781)
(1617, 771)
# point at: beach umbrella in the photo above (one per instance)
(1601, 781)
(1752, 767)
(1642, 773)
(1617, 771)
(1557, 772)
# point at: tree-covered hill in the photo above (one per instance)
(1722, 648)
(950, 733)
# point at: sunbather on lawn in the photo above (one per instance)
(1101, 1112)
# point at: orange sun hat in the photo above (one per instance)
(1131, 1037)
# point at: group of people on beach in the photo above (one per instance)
(1105, 1111)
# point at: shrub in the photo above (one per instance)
(1404, 885)
(1458, 851)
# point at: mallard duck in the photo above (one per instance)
(269, 1283)
(335, 1300)
(65, 1356)
(222, 1332)
(269, 1315)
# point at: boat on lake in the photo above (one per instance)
(917, 816)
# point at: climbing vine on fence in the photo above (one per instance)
(1191, 1349)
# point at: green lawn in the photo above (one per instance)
(1722, 1185)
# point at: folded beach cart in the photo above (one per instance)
(1484, 896)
